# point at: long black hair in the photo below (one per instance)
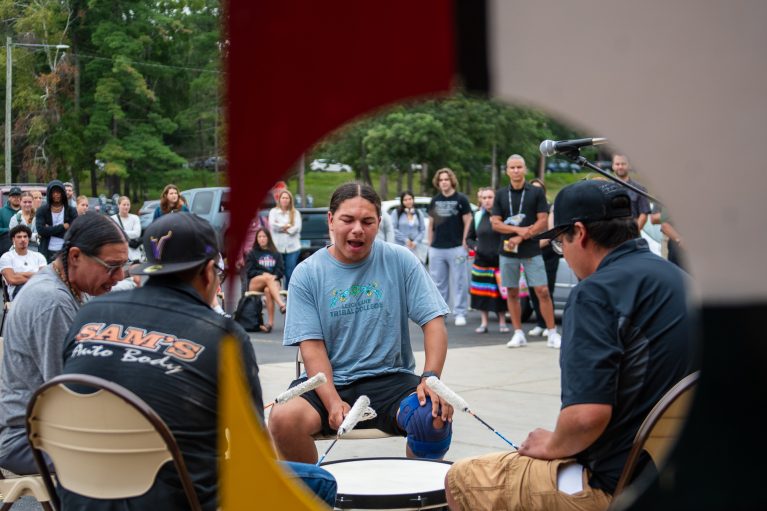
(401, 207)
(89, 232)
(351, 190)
(270, 246)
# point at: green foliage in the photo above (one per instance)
(459, 131)
(320, 185)
(140, 93)
(404, 138)
(149, 81)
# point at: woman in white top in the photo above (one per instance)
(26, 216)
(285, 226)
(131, 225)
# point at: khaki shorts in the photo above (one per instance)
(506, 481)
(535, 271)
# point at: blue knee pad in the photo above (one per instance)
(423, 439)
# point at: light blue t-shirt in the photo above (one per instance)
(361, 310)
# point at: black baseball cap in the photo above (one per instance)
(15, 190)
(587, 201)
(176, 242)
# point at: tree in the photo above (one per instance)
(42, 83)
(401, 140)
(125, 96)
(468, 134)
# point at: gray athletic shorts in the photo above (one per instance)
(535, 271)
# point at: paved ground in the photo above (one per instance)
(513, 390)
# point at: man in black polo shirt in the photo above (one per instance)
(520, 211)
(626, 342)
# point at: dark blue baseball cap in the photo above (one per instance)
(176, 242)
(587, 201)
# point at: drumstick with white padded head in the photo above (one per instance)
(460, 403)
(360, 411)
(310, 384)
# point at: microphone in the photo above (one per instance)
(551, 147)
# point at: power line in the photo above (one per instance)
(149, 64)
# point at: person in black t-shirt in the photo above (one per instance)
(450, 214)
(520, 211)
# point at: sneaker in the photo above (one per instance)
(517, 340)
(536, 332)
(460, 321)
(555, 340)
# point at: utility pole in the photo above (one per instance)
(494, 168)
(8, 91)
(300, 177)
(215, 140)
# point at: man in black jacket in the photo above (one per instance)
(12, 206)
(53, 219)
(161, 341)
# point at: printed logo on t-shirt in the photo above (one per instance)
(138, 344)
(356, 298)
(445, 208)
(267, 261)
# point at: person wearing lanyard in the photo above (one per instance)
(519, 213)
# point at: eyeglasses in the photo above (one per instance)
(556, 246)
(220, 270)
(556, 241)
(110, 268)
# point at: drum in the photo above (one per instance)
(389, 483)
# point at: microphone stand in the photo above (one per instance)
(575, 157)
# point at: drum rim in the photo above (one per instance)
(392, 500)
(375, 458)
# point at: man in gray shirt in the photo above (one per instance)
(89, 264)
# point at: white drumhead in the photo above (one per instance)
(388, 476)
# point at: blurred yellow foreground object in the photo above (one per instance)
(251, 477)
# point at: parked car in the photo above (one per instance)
(146, 212)
(566, 281)
(94, 204)
(212, 204)
(604, 164)
(558, 165)
(314, 231)
(322, 165)
(102, 205)
(108, 206)
(421, 202)
(25, 187)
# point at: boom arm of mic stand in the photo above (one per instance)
(576, 157)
